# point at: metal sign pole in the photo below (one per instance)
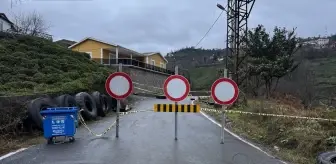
(118, 108)
(223, 114)
(176, 73)
(223, 124)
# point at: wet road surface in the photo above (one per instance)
(147, 138)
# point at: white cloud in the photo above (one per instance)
(166, 25)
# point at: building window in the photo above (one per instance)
(153, 62)
(112, 56)
(90, 53)
(161, 65)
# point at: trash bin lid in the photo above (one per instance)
(58, 111)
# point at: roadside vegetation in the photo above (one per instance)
(296, 140)
(31, 66)
(278, 75)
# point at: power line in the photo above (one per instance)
(210, 28)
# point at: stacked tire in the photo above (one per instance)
(90, 105)
(37, 105)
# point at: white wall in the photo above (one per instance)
(4, 25)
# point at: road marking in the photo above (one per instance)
(12, 153)
(238, 137)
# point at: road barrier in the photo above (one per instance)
(187, 108)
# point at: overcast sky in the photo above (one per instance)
(165, 25)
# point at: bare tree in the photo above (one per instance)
(303, 83)
(307, 81)
(30, 24)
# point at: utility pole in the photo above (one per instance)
(237, 12)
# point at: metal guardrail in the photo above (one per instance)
(133, 62)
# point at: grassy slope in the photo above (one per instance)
(202, 78)
(300, 141)
(325, 69)
(31, 65)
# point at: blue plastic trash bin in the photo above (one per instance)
(67, 108)
(59, 122)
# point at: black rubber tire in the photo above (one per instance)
(99, 103)
(36, 105)
(87, 103)
(327, 158)
(106, 106)
(161, 97)
(112, 103)
(66, 101)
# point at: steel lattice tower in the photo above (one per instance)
(238, 12)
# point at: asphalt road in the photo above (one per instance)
(147, 138)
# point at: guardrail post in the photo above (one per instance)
(176, 73)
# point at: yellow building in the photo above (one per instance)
(155, 58)
(109, 53)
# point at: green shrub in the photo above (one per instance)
(31, 65)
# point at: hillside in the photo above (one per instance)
(314, 81)
(321, 62)
(190, 57)
(31, 65)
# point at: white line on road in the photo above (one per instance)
(12, 153)
(236, 136)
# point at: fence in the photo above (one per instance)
(133, 62)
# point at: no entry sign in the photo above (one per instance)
(176, 88)
(224, 91)
(119, 85)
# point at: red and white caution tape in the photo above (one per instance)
(267, 114)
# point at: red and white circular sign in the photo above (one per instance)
(119, 85)
(224, 91)
(176, 88)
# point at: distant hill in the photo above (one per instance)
(201, 64)
(191, 57)
(323, 63)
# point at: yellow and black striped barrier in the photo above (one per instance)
(177, 108)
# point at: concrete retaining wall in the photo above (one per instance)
(146, 80)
